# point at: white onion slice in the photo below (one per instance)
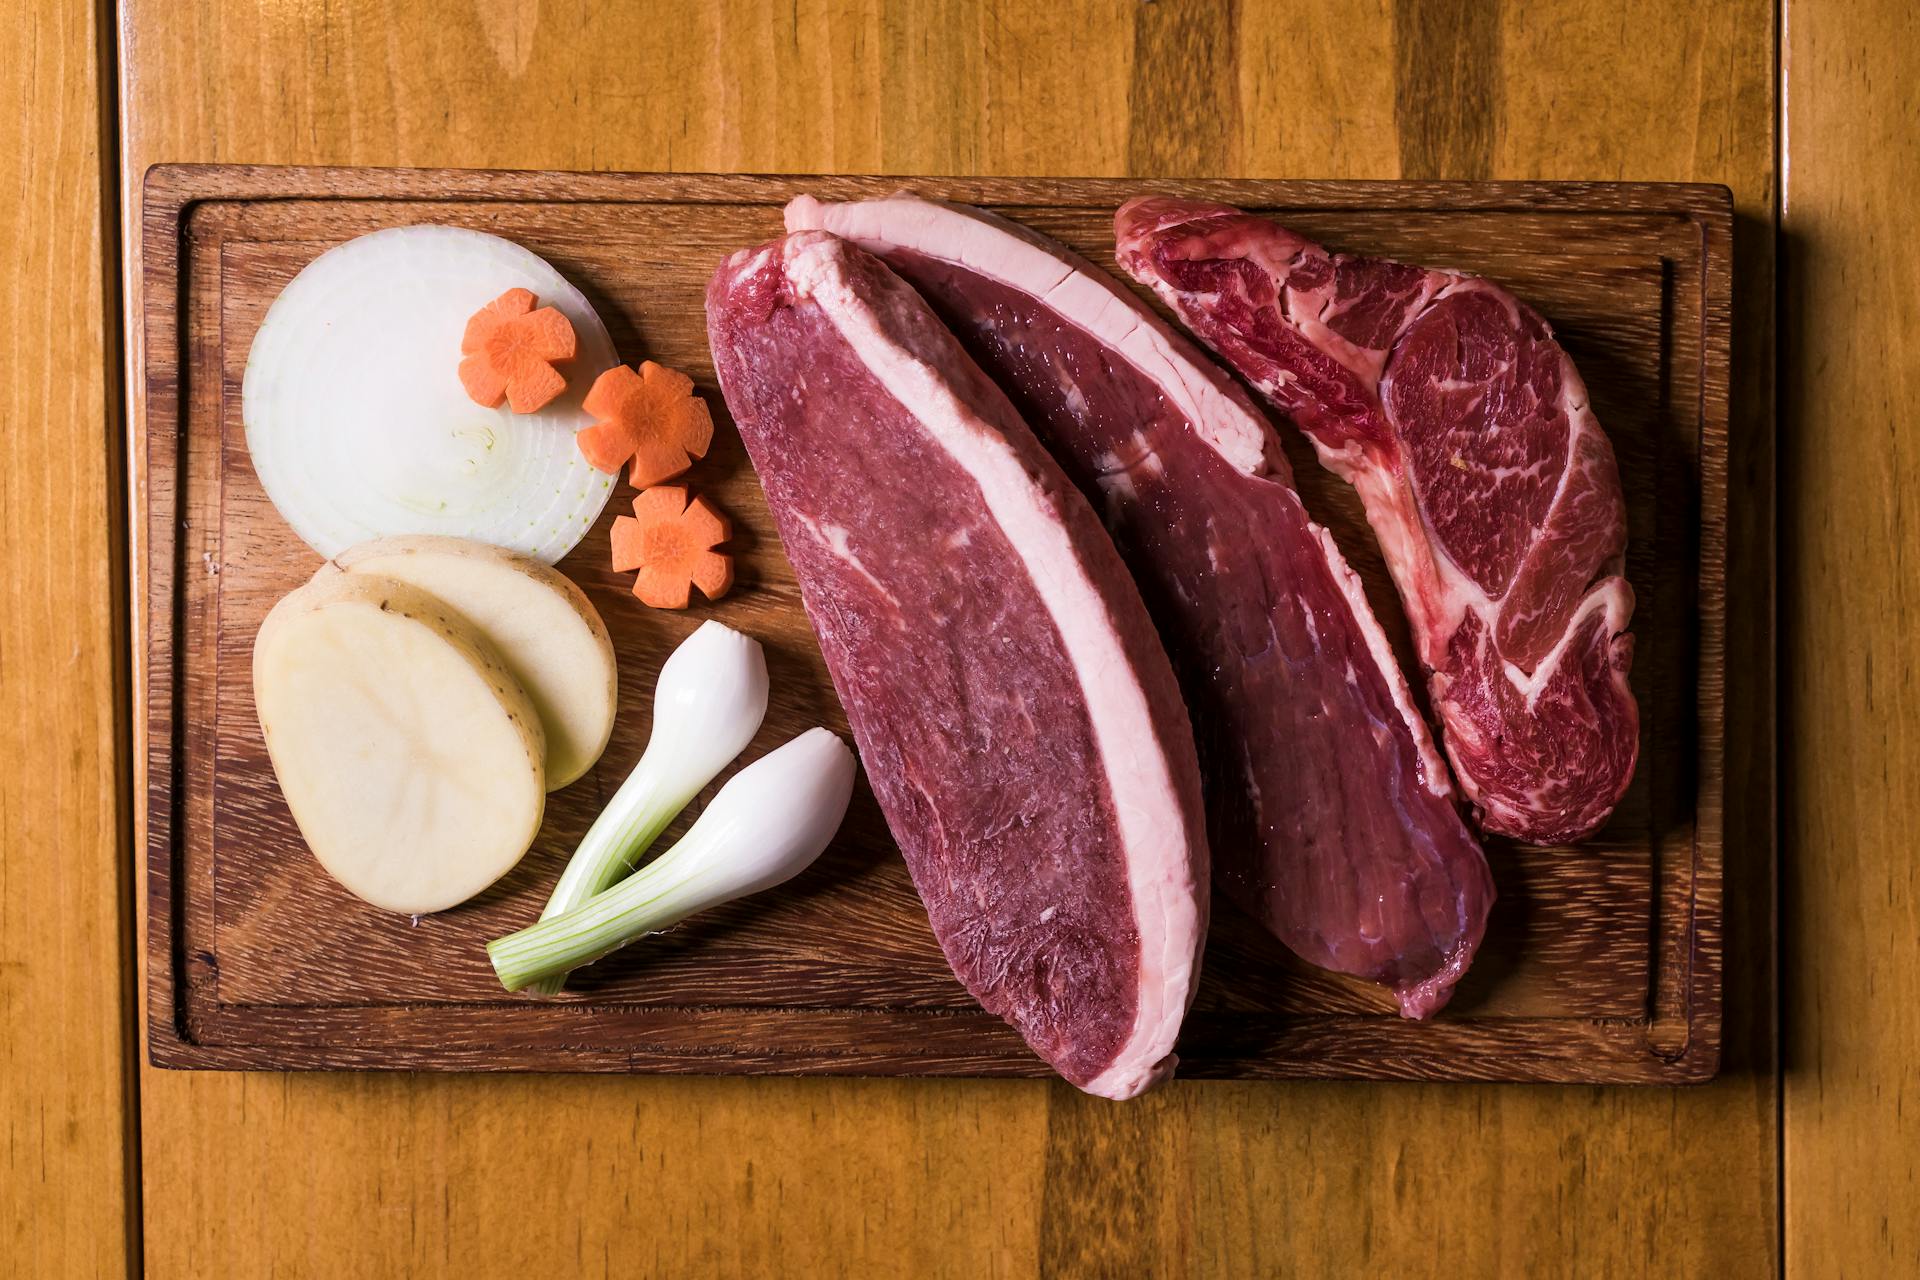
(356, 419)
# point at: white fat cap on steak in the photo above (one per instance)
(1005, 252)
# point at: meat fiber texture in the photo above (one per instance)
(1333, 819)
(1017, 718)
(1465, 428)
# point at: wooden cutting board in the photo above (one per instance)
(1602, 963)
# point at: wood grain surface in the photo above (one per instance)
(1601, 964)
(382, 1175)
(1850, 588)
(66, 1122)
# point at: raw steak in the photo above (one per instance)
(1333, 818)
(1015, 713)
(1446, 402)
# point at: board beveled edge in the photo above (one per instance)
(1322, 1049)
(178, 185)
(1348, 1047)
(1706, 920)
(166, 191)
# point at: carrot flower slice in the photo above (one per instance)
(670, 541)
(510, 351)
(651, 417)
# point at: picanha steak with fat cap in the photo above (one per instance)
(1016, 715)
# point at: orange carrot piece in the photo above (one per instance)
(670, 541)
(510, 351)
(651, 417)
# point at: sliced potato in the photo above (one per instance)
(552, 638)
(410, 757)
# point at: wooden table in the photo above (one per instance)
(1804, 1156)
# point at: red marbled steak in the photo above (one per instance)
(1016, 716)
(1333, 817)
(1466, 429)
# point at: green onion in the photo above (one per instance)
(707, 705)
(768, 824)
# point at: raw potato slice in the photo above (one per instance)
(545, 628)
(410, 758)
(359, 427)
